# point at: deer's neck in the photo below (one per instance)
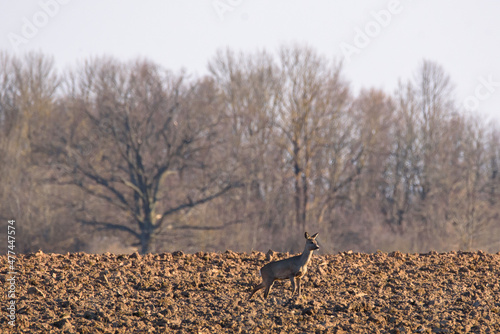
(306, 256)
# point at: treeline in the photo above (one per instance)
(112, 155)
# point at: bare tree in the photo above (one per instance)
(249, 86)
(28, 94)
(470, 209)
(143, 146)
(433, 92)
(401, 170)
(313, 103)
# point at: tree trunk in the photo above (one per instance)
(146, 238)
(304, 202)
(298, 189)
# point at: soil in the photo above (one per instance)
(454, 292)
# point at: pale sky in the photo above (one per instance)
(380, 42)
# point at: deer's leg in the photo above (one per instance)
(294, 287)
(256, 288)
(268, 288)
(298, 285)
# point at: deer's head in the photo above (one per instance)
(311, 242)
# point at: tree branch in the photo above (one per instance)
(109, 226)
(190, 203)
(208, 228)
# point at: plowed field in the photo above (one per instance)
(453, 292)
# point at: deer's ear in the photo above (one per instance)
(306, 235)
(314, 235)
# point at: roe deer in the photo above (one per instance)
(292, 268)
